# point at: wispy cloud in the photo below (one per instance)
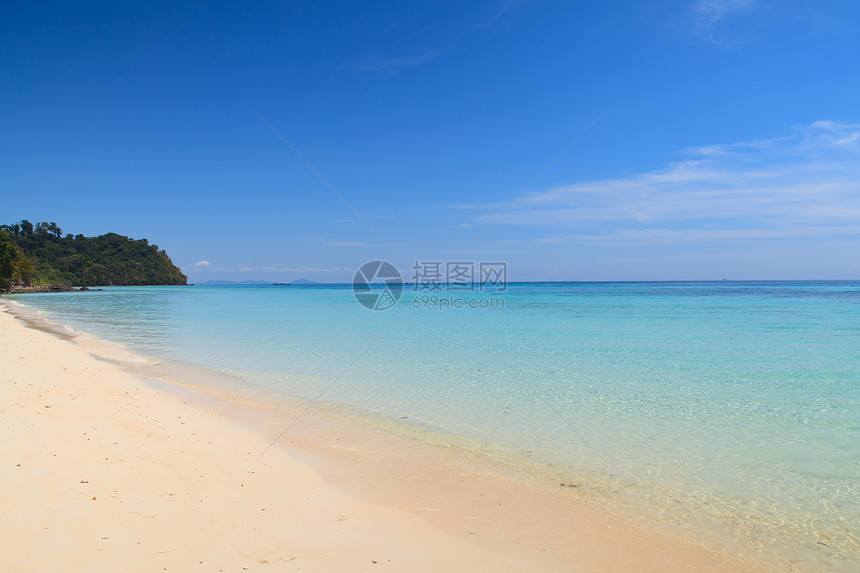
(345, 244)
(708, 16)
(201, 264)
(377, 63)
(805, 184)
(374, 62)
(710, 12)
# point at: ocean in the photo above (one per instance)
(728, 412)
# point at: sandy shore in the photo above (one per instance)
(104, 470)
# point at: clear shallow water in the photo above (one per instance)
(726, 411)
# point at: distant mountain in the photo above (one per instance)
(228, 283)
(46, 257)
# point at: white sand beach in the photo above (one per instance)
(105, 471)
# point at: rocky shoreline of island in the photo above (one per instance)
(23, 289)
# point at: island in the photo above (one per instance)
(39, 257)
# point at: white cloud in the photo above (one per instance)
(660, 236)
(803, 185)
(200, 264)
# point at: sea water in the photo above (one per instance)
(728, 412)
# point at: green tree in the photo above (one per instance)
(14, 267)
(8, 256)
(77, 260)
(23, 271)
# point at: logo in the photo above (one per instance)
(377, 285)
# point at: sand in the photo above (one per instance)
(103, 470)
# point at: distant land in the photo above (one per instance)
(228, 283)
(40, 255)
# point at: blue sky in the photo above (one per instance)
(671, 139)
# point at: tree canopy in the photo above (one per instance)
(39, 254)
(14, 266)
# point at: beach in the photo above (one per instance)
(105, 470)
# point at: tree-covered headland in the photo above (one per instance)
(40, 255)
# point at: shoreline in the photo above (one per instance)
(17, 289)
(412, 503)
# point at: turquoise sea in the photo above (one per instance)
(728, 411)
